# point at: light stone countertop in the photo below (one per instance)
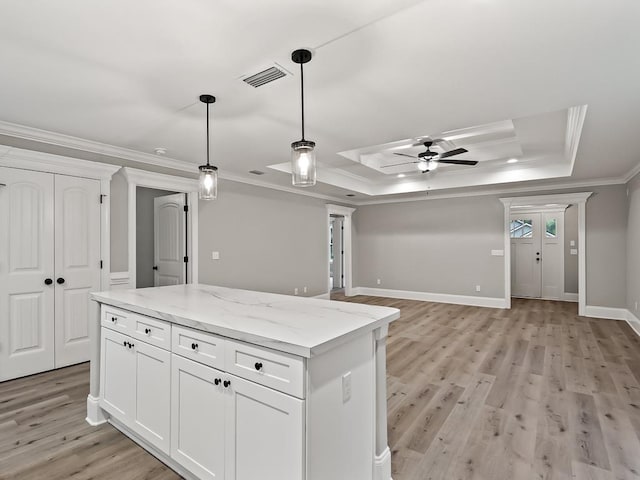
(297, 325)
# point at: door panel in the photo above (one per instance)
(268, 430)
(525, 246)
(26, 260)
(169, 239)
(117, 375)
(553, 256)
(197, 418)
(77, 261)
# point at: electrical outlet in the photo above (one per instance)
(304, 289)
(378, 281)
(295, 291)
(346, 387)
(215, 255)
(477, 288)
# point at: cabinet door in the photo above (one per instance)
(117, 375)
(26, 260)
(264, 431)
(77, 262)
(197, 418)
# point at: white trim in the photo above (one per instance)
(563, 198)
(490, 302)
(95, 415)
(633, 321)
(346, 240)
(610, 313)
(142, 178)
(382, 465)
(119, 280)
(570, 297)
(323, 296)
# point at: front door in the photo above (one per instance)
(526, 264)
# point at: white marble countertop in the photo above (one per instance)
(297, 325)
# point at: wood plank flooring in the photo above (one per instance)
(535, 392)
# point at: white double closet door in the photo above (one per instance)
(49, 262)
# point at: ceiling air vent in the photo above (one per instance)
(256, 172)
(266, 76)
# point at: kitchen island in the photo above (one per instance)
(222, 383)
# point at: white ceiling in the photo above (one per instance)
(385, 72)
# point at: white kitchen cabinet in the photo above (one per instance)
(136, 382)
(265, 433)
(49, 262)
(197, 418)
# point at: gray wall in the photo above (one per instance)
(443, 246)
(606, 237)
(436, 246)
(145, 247)
(119, 223)
(633, 246)
(570, 261)
(268, 240)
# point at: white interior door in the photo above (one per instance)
(338, 252)
(77, 264)
(526, 262)
(169, 233)
(26, 261)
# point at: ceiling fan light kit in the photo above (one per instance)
(208, 181)
(303, 157)
(428, 160)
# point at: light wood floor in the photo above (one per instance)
(534, 392)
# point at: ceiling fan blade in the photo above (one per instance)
(398, 164)
(458, 162)
(404, 155)
(451, 153)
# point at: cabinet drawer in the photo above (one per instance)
(151, 330)
(199, 346)
(277, 370)
(116, 319)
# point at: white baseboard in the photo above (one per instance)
(633, 322)
(606, 312)
(490, 302)
(119, 280)
(323, 296)
(382, 465)
(570, 297)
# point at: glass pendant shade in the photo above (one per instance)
(208, 185)
(303, 163)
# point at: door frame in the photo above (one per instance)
(346, 240)
(142, 178)
(542, 201)
(73, 167)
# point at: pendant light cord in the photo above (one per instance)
(208, 135)
(302, 95)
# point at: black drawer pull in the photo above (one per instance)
(147, 331)
(114, 319)
(217, 381)
(226, 383)
(194, 346)
(124, 343)
(258, 366)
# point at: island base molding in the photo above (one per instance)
(95, 415)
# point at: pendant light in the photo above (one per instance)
(303, 158)
(208, 184)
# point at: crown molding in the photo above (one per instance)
(68, 141)
(47, 162)
(161, 181)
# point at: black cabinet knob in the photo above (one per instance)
(131, 345)
(124, 343)
(113, 319)
(258, 366)
(147, 331)
(194, 346)
(217, 381)
(60, 280)
(226, 383)
(48, 281)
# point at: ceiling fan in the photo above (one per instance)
(425, 159)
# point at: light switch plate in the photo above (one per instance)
(572, 243)
(215, 255)
(573, 251)
(497, 253)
